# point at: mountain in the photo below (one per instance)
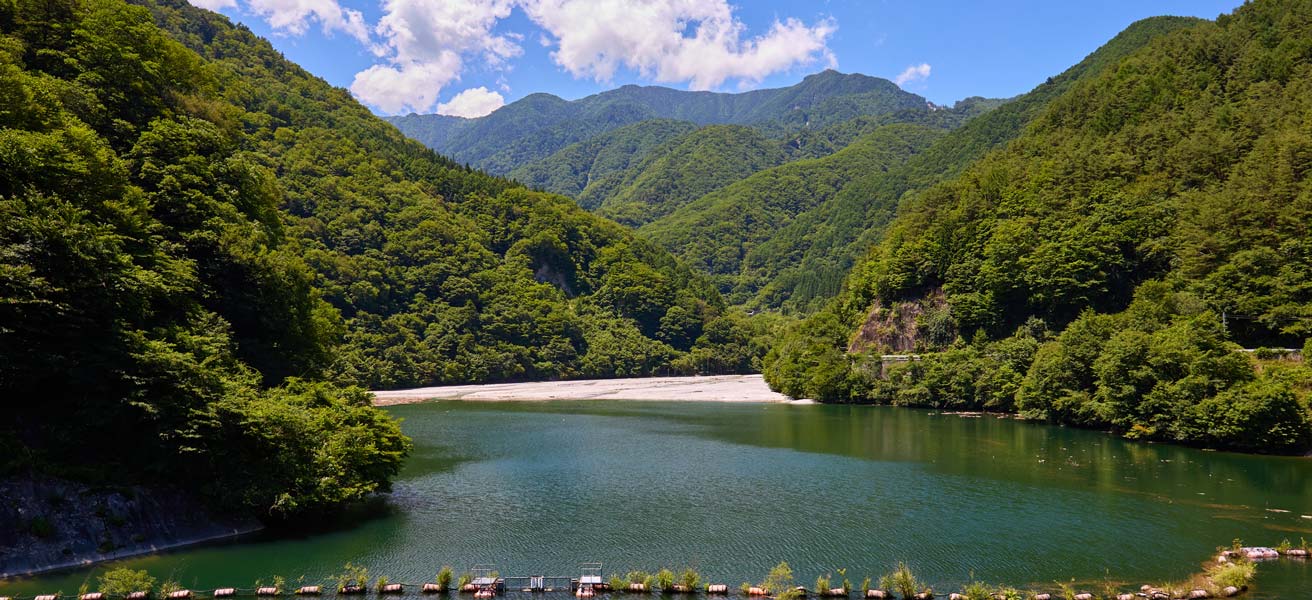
(203, 248)
(1099, 268)
(715, 232)
(592, 169)
(824, 243)
(687, 168)
(538, 125)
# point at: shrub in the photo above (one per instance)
(381, 583)
(353, 575)
(901, 580)
(618, 583)
(665, 580)
(865, 584)
(168, 587)
(822, 584)
(690, 578)
(122, 581)
(41, 527)
(641, 577)
(444, 578)
(779, 582)
(977, 591)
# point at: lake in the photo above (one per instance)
(732, 489)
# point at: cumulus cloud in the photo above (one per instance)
(424, 44)
(295, 16)
(912, 74)
(412, 86)
(473, 102)
(214, 5)
(654, 40)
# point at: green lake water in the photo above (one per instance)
(732, 489)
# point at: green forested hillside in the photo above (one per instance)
(539, 125)
(715, 232)
(589, 171)
(197, 236)
(821, 245)
(686, 169)
(1099, 269)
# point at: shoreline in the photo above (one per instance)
(697, 388)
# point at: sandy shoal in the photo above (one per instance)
(716, 388)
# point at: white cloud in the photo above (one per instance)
(294, 16)
(912, 74)
(473, 102)
(413, 86)
(424, 43)
(214, 5)
(594, 38)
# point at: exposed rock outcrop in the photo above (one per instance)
(48, 524)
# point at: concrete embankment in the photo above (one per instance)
(49, 524)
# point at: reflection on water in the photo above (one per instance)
(537, 488)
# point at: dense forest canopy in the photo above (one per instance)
(1100, 268)
(203, 249)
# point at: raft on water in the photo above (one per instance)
(432, 588)
(713, 588)
(351, 590)
(756, 591)
(266, 591)
(142, 595)
(179, 595)
(391, 588)
(92, 596)
(308, 590)
(225, 592)
(879, 594)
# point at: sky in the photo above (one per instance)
(469, 57)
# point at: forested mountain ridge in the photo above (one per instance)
(688, 168)
(716, 232)
(538, 125)
(198, 237)
(1081, 273)
(805, 262)
(590, 171)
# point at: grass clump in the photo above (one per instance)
(1235, 573)
(822, 584)
(444, 577)
(976, 590)
(618, 583)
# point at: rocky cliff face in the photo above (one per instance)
(904, 326)
(48, 524)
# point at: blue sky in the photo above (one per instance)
(469, 56)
